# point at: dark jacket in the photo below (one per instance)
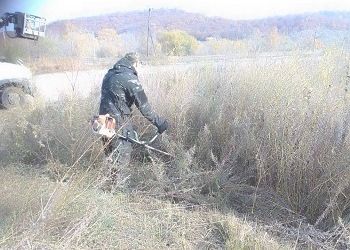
(120, 90)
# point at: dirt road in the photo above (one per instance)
(52, 86)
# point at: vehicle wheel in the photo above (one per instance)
(13, 97)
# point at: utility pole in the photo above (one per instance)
(148, 29)
(3, 36)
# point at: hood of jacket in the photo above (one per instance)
(124, 65)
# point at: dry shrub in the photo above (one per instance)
(277, 126)
(52, 132)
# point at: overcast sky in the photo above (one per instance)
(233, 9)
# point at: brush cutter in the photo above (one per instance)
(105, 125)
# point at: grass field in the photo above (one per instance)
(261, 151)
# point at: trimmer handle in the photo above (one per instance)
(153, 138)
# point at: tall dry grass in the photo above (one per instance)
(266, 138)
(38, 213)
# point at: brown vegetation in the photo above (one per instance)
(264, 140)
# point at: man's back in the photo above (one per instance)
(121, 89)
(117, 88)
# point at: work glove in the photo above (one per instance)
(161, 125)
